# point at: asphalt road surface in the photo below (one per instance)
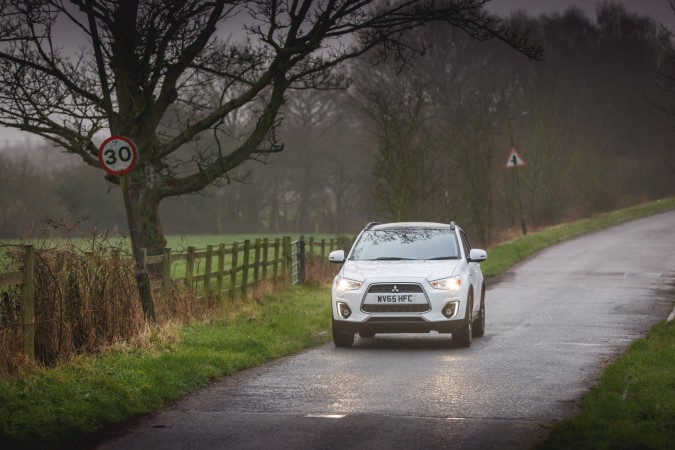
(553, 323)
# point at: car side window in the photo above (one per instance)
(465, 244)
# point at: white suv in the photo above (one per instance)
(409, 277)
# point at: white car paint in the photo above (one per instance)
(401, 272)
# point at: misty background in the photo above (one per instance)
(428, 141)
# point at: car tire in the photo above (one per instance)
(479, 324)
(366, 334)
(462, 338)
(342, 339)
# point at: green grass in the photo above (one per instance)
(56, 408)
(200, 241)
(61, 406)
(633, 406)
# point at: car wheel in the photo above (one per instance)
(342, 339)
(479, 324)
(462, 338)
(366, 334)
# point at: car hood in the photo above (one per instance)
(431, 270)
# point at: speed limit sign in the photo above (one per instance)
(117, 155)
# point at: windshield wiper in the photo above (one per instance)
(442, 257)
(390, 258)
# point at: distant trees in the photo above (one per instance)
(43, 196)
(592, 137)
(581, 118)
(428, 140)
(406, 174)
(144, 58)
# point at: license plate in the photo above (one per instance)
(384, 299)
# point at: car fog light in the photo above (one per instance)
(344, 310)
(450, 310)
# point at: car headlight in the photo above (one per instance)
(448, 284)
(345, 284)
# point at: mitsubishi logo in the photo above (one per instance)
(394, 289)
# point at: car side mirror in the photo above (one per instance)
(477, 255)
(337, 256)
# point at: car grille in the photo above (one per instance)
(389, 288)
(395, 308)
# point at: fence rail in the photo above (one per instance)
(227, 269)
(218, 271)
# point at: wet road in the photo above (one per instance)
(553, 322)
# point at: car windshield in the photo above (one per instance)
(406, 243)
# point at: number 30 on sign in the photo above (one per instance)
(117, 155)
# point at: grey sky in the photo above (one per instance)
(659, 9)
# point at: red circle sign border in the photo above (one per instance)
(134, 156)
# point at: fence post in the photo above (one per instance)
(266, 244)
(323, 249)
(29, 304)
(311, 245)
(275, 265)
(207, 271)
(301, 260)
(284, 259)
(221, 269)
(166, 273)
(189, 268)
(256, 264)
(244, 275)
(233, 270)
(289, 259)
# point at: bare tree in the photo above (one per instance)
(141, 58)
(406, 173)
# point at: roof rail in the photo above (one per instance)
(371, 225)
(452, 225)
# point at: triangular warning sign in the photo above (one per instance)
(514, 159)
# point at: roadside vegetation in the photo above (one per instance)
(58, 407)
(63, 405)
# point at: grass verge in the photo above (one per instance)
(633, 406)
(58, 407)
(61, 406)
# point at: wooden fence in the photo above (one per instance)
(218, 271)
(225, 269)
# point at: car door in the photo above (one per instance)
(474, 272)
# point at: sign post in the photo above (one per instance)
(514, 162)
(118, 155)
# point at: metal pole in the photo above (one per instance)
(523, 225)
(141, 274)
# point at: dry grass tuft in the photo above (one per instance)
(84, 301)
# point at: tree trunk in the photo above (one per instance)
(146, 214)
(145, 232)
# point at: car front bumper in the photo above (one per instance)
(399, 322)
(398, 325)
